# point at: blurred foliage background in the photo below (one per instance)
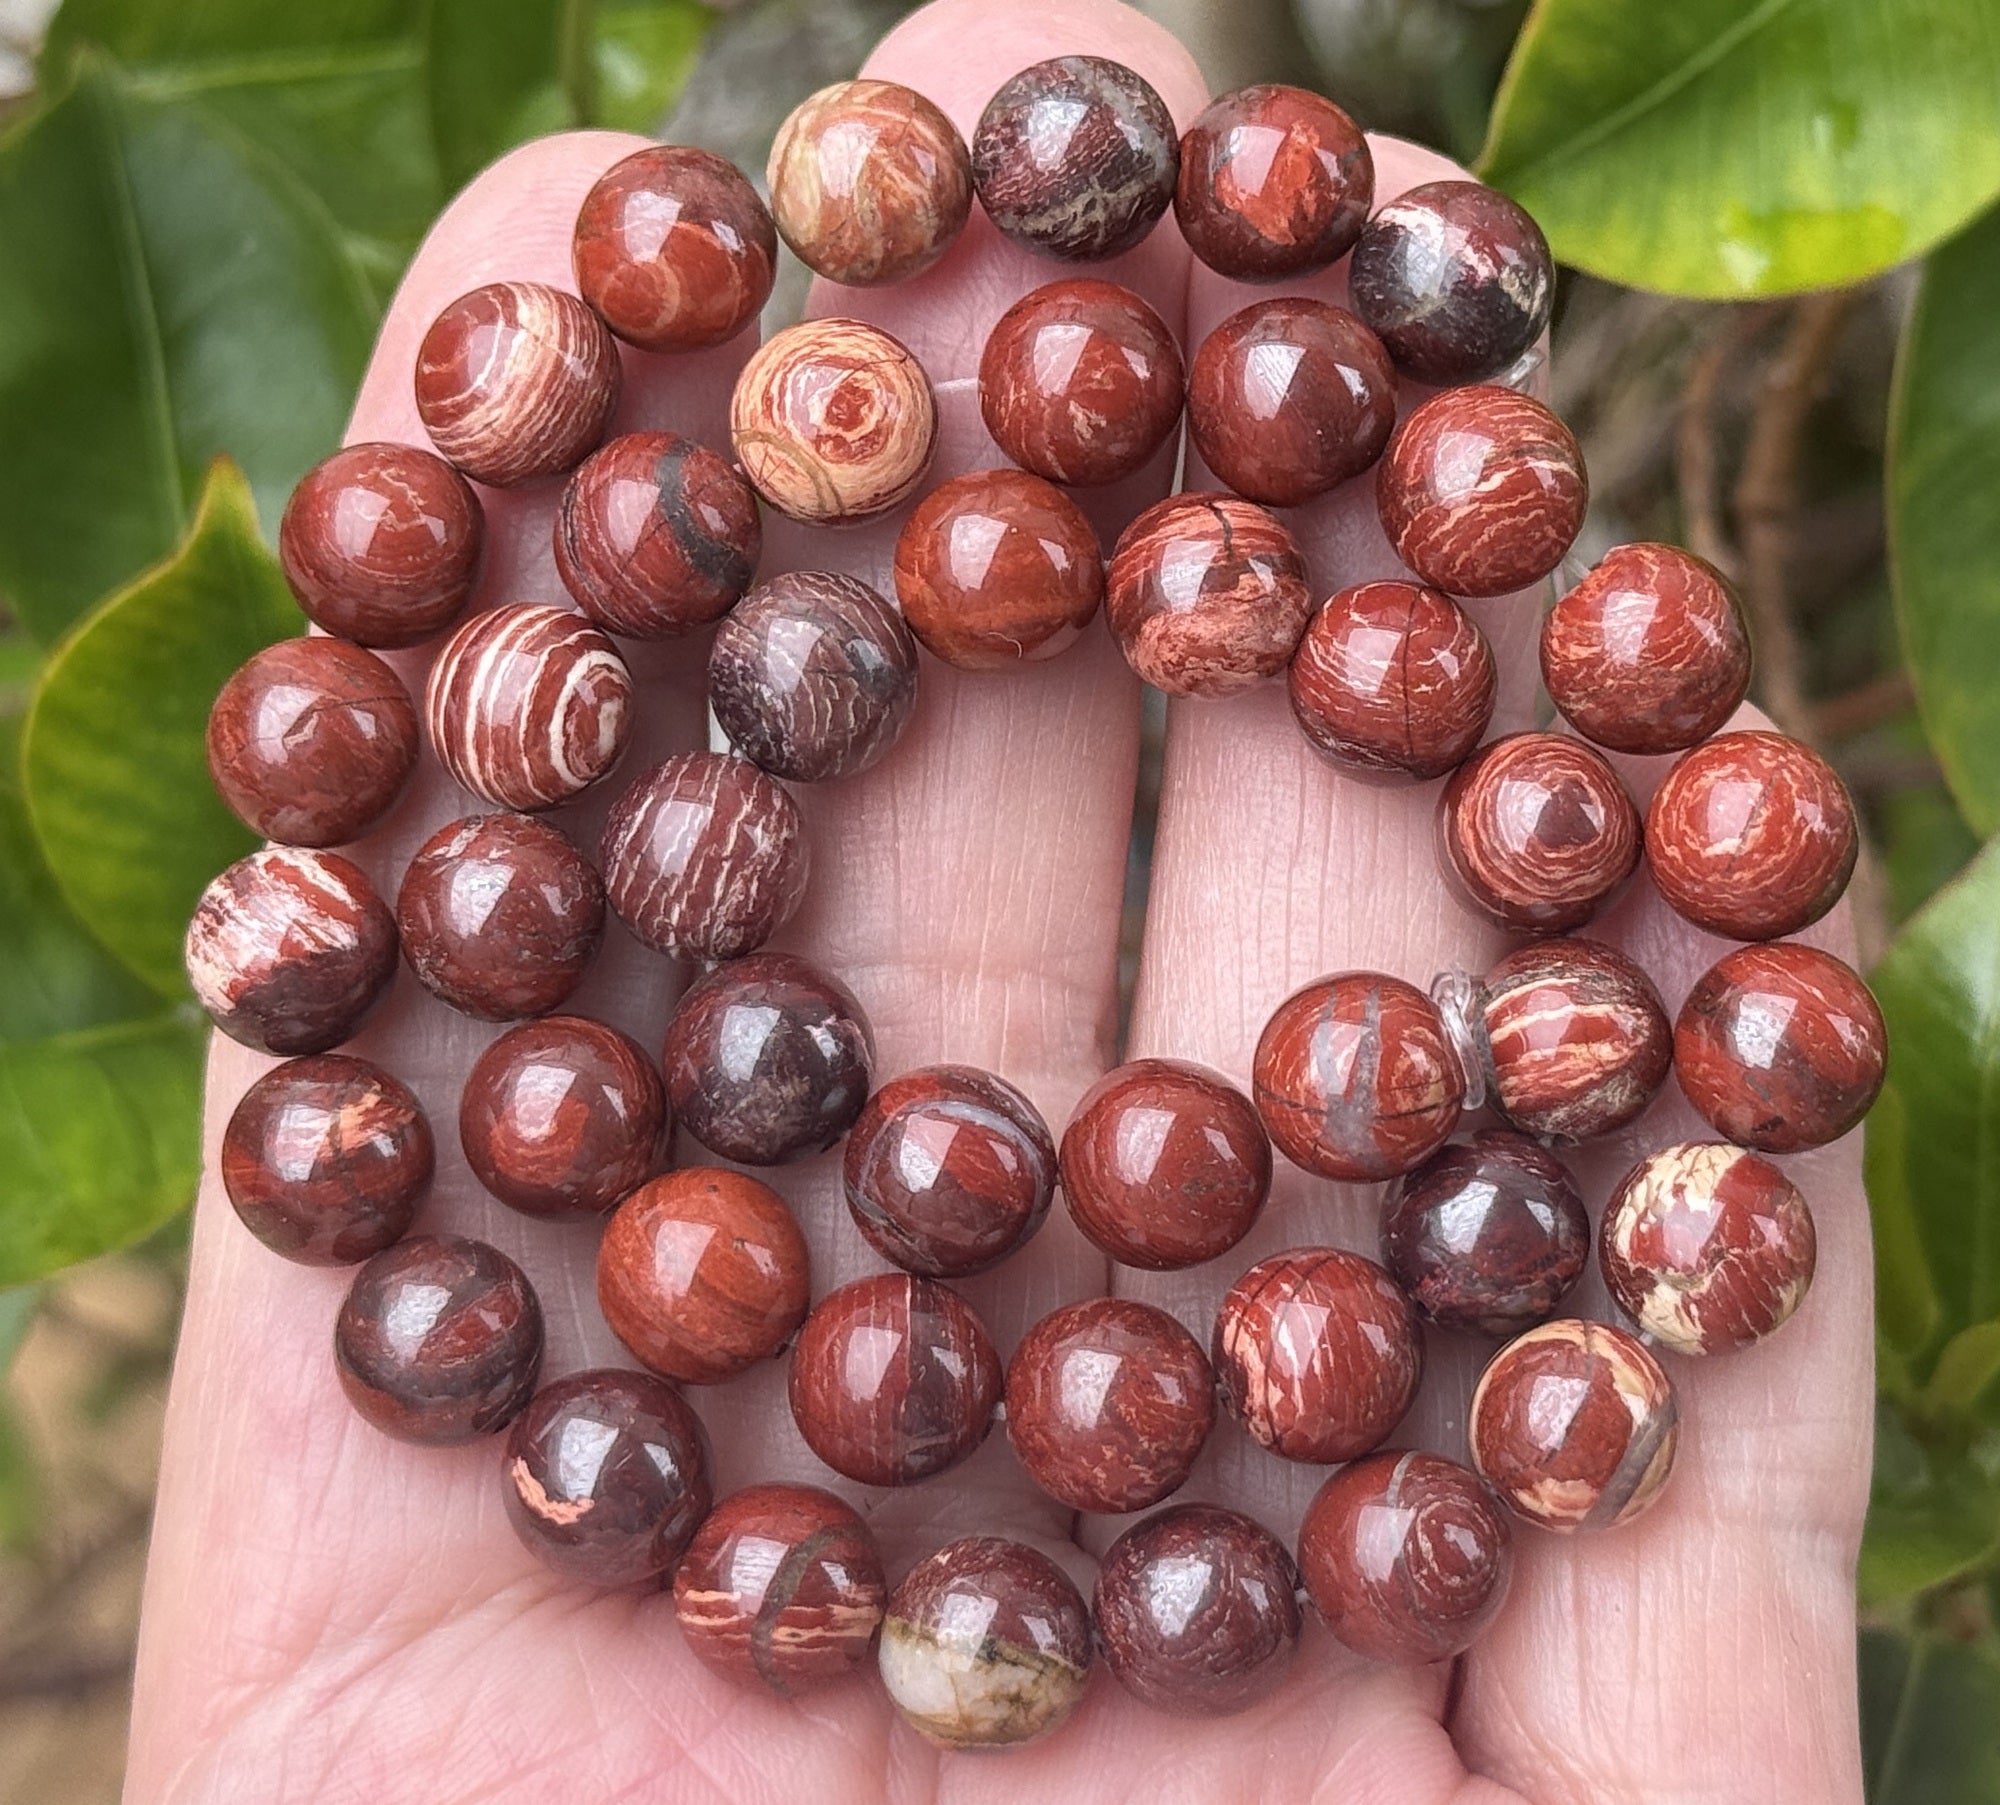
(1776, 336)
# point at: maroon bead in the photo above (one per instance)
(1197, 1611)
(1781, 1047)
(893, 1379)
(439, 1340)
(326, 1159)
(289, 950)
(381, 544)
(1393, 677)
(562, 1117)
(948, 1170)
(1649, 652)
(704, 857)
(1108, 1404)
(1289, 398)
(1407, 1557)
(767, 1059)
(1482, 491)
(1752, 836)
(1318, 1353)
(1164, 1164)
(1537, 833)
(1081, 382)
(606, 1477)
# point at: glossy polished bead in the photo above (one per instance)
(996, 568)
(1707, 1248)
(311, 741)
(656, 536)
(893, 1379)
(1197, 1611)
(1081, 382)
(1455, 278)
(813, 676)
(1781, 1047)
(562, 1117)
(948, 1170)
(1575, 1425)
(985, 1645)
(1393, 677)
(1752, 836)
(1075, 157)
(439, 1340)
(781, 1586)
(606, 1477)
(674, 248)
(1649, 652)
(1289, 398)
(515, 382)
(381, 544)
(326, 1159)
(870, 183)
(1482, 491)
(1355, 1079)
(1165, 1164)
(289, 950)
(702, 1273)
(833, 420)
(1318, 1353)
(1407, 1557)
(1486, 1236)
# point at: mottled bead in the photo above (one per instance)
(439, 1340)
(326, 1159)
(289, 950)
(311, 741)
(515, 382)
(1751, 836)
(1649, 652)
(1482, 491)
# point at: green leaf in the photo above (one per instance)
(1749, 147)
(1933, 1515)
(1966, 1368)
(113, 754)
(643, 54)
(17, 1314)
(1928, 1710)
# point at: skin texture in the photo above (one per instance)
(968, 890)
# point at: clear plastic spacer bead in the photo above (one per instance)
(1459, 997)
(1521, 373)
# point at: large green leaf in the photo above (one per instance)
(1928, 1711)
(1740, 147)
(1933, 1513)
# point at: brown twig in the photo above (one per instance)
(1844, 717)
(71, 1681)
(1697, 449)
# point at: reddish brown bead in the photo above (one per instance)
(1707, 1248)
(1081, 382)
(948, 1170)
(515, 382)
(702, 1274)
(1393, 677)
(326, 1159)
(1649, 652)
(289, 950)
(1289, 398)
(996, 568)
(311, 741)
(562, 1117)
(439, 1340)
(606, 1477)
(1108, 1404)
(1407, 1557)
(1781, 1047)
(783, 1586)
(1318, 1353)
(674, 248)
(704, 857)
(893, 1379)
(1752, 836)
(1164, 1164)
(1482, 491)
(1197, 1611)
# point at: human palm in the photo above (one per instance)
(331, 1615)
